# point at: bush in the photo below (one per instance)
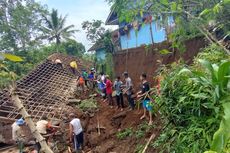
(191, 105)
(125, 133)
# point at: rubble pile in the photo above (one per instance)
(44, 92)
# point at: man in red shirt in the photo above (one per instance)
(109, 91)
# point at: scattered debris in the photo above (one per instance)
(74, 101)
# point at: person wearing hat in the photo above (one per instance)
(58, 62)
(76, 132)
(17, 133)
(73, 67)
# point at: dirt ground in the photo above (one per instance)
(111, 121)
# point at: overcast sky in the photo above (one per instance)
(79, 11)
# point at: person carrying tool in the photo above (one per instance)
(73, 67)
(147, 104)
(17, 134)
(76, 132)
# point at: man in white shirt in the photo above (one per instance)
(128, 90)
(76, 132)
(17, 134)
(42, 126)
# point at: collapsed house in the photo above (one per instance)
(44, 92)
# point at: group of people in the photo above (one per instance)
(126, 88)
(46, 129)
(107, 89)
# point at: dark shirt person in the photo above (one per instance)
(147, 104)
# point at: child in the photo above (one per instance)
(145, 99)
(119, 96)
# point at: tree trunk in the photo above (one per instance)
(30, 123)
(151, 32)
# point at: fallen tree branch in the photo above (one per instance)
(29, 121)
(206, 33)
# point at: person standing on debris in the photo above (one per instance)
(147, 105)
(73, 67)
(128, 90)
(76, 133)
(102, 85)
(17, 134)
(85, 76)
(81, 83)
(119, 96)
(91, 77)
(109, 91)
(59, 63)
(42, 126)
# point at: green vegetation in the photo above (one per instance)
(139, 148)
(55, 29)
(207, 18)
(138, 133)
(193, 101)
(25, 29)
(102, 38)
(128, 132)
(88, 104)
(143, 129)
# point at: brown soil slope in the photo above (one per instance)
(111, 121)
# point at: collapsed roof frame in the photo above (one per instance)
(44, 91)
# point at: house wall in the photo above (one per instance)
(101, 54)
(143, 36)
(139, 60)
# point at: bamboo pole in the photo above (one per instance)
(29, 121)
(98, 126)
(147, 144)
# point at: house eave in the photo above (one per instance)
(113, 22)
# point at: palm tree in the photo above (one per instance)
(55, 28)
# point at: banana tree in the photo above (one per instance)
(10, 57)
